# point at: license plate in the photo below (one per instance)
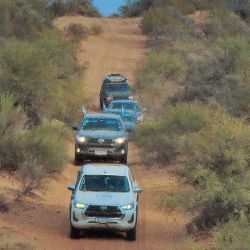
(101, 152)
(102, 220)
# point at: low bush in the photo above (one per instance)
(218, 167)
(161, 138)
(23, 19)
(135, 8)
(35, 153)
(73, 7)
(96, 29)
(46, 143)
(164, 63)
(233, 236)
(42, 149)
(159, 17)
(77, 31)
(12, 122)
(38, 75)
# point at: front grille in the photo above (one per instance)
(106, 143)
(103, 211)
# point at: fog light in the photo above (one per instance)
(131, 219)
(78, 150)
(74, 217)
(123, 151)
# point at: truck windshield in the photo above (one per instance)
(101, 124)
(117, 87)
(105, 183)
(127, 105)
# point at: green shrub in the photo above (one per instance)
(165, 63)
(74, 7)
(218, 167)
(233, 236)
(37, 73)
(222, 23)
(12, 122)
(161, 138)
(135, 8)
(45, 144)
(44, 155)
(159, 17)
(23, 19)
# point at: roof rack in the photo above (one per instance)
(118, 75)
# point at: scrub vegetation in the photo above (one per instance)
(195, 84)
(41, 91)
(73, 7)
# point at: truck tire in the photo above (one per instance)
(131, 234)
(78, 159)
(101, 105)
(74, 233)
(124, 159)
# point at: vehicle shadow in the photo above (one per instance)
(102, 234)
(91, 161)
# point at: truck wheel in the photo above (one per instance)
(131, 234)
(74, 233)
(124, 159)
(78, 159)
(101, 105)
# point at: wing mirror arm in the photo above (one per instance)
(75, 127)
(137, 189)
(71, 187)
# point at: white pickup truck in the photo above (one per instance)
(105, 196)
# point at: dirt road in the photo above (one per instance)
(42, 221)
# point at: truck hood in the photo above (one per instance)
(104, 198)
(104, 134)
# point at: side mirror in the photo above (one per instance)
(144, 110)
(74, 127)
(128, 129)
(137, 189)
(71, 187)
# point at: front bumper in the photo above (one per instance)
(81, 221)
(101, 152)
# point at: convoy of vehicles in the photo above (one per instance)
(105, 196)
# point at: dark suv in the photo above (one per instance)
(114, 87)
(101, 136)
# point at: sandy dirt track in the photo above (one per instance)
(42, 221)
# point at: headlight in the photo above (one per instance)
(128, 206)
(120, 140)
(131, 97)
(80, 205)
(81, 139)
